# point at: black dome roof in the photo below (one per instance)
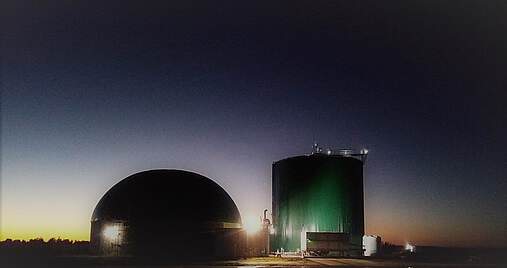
(173, 196)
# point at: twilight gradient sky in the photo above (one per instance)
(92, 93)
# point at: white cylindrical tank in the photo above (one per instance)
(371, 245)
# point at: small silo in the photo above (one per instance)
(371, 245)
(318, 203)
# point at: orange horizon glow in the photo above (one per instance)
(397, 236)
(45, 224)
(45, 234)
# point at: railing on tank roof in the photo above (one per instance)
(361, 154)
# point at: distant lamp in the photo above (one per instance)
(111, 232)
(409, 247)
(364, 151)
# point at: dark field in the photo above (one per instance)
(90, 261)
(65, 253)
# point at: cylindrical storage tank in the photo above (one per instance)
(317, 193)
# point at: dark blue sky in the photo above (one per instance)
(94, 92)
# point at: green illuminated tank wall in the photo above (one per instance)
(319, 193)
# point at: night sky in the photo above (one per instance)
(93, 92)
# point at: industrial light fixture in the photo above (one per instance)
(111, 232)
(409, 247)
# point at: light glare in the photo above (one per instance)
(409, 247)
(252, 224)
(111, 232)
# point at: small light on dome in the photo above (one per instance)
(111, 231)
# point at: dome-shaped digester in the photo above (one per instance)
(167, 213)
(318, 198)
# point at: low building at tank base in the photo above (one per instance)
(330, 244)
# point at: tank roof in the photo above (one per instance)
(165, 195)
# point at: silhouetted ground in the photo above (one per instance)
(39, 247)
(99, 262)
(64, 253)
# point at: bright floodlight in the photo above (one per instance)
(111, 232)
(409, 247)
(252, 224)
